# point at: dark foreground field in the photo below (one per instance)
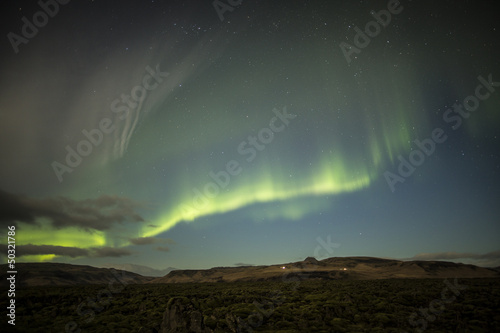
(430, 305)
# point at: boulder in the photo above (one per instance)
(182, 316)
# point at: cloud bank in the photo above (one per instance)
(97, 214)
(490, 259)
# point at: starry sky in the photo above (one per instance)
(194, 134)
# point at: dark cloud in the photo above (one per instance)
(162, 248)
(150, 240)
(110, 252)
(68, 251)
(490, 255)
(241, 264)
(26, 250)
(456, 255)
(98, 214)
(143, 240)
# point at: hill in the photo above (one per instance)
(139, 269)
(345, 268)
(336, 268)
(55, 274)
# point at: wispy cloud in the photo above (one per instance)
(192, 63)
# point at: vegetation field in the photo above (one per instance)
(430, 305)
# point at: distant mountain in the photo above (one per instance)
(55, 274)
(347, 268)
(139, 269)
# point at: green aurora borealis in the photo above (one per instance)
(321, 172)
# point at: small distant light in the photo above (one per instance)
(283, 267)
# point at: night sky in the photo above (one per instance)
(194, 134)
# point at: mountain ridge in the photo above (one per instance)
(345, 268)
(59, 274)
(352, 268)
(139, 269)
